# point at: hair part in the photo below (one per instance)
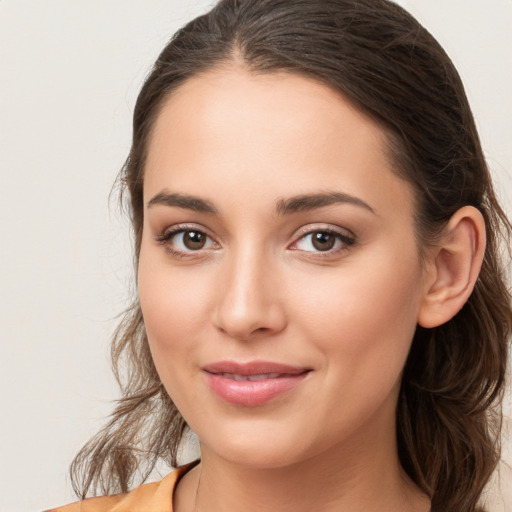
(382, 60)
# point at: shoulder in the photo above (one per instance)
(103, 503)
(152, 497)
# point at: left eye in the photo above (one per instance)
(322, 241)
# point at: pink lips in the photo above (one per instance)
(252, 384)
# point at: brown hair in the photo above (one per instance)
(380, 58)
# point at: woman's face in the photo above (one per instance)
(279, 274)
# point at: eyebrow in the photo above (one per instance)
(313, 201)
(183, 201)
(287, 206)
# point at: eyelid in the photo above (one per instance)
(311, 228)
(176, 228)
(168, 233)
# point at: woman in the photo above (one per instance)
(321, 298)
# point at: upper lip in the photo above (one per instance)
(253, 368)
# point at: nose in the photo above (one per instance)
(249, 302)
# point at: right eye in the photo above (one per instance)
(181, 241)
(191, 240)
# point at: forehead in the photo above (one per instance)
(281, 132)
(237, 99)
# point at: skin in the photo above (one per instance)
(260, 290)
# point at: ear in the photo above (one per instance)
(452, 267)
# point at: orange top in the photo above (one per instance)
(152, 497)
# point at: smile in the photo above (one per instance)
(252, 378)
(252, 384)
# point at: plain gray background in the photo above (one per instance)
(69, 75)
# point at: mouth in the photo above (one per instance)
(252, 384)
(251, 378)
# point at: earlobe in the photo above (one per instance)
(454, 266)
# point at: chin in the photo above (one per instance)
(257, 446)
(254, 457)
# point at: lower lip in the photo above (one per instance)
(252, 393)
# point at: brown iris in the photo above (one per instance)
(323, 241)
(194, 240)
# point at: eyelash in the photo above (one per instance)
(346, 240)
(165, 237)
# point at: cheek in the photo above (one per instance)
(364, 317)
(174, 306)
(170, 309)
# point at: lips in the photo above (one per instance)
(251, 378)
(254, 383)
